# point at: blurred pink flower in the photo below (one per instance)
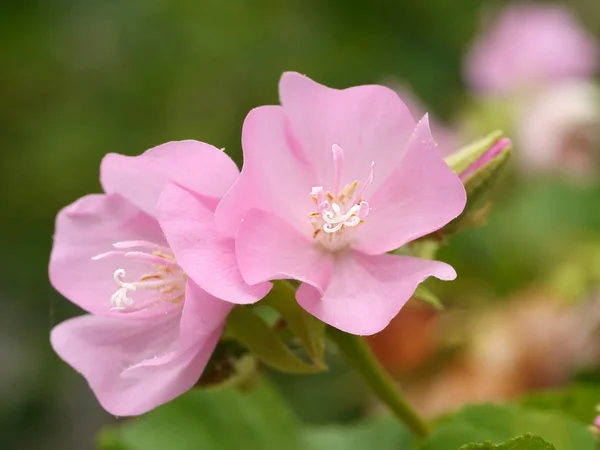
(152, 329)
(559, 130)
(332, 181)
(529, 44)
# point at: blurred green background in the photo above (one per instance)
(83, 78)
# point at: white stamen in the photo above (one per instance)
(166, 278)
(119, 299)
(341, 209)
(335, 220)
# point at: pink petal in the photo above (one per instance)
(274, 176)
(102, 349)
(201, 248)
(366, 292)
(203, 314)
(370, 123)
(192, 164)
(419, 197)
(88, 228)
(268, 248)
(529, 44)
(134, 366)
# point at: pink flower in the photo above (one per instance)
(530, 44)
(332, 181)
(152, 329)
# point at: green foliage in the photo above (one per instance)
(498, 423)
(265, 331)
(229, 419)
(525, 442)
(306, 327)
(224, 420)
(381, 434)
(262, 340)
(578, 401)
(258, 420)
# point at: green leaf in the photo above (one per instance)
(310, 330)
(525, 442)
(498, 423)
(224, 420)
(381, 434)
(259, 338)
(577, 401)
(465, 157)
(424, 294)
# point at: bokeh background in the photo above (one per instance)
(83, 78)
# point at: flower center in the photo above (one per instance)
(339, 212)
(165, 283)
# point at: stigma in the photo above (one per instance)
(163, 284)
(340, 210)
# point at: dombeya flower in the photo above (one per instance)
(151, 328)
(333, 180)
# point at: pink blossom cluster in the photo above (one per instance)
(332, 182)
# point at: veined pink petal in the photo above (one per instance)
(370, 123)
(192, 164)
(268, 248)
(202, 315)
(201, 248)
(274, 177)
(134, 366)
(90, 227)
(102, 348)
(367, 292)
(419, 197)
(530, 43)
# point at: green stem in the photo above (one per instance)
(359, 355)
